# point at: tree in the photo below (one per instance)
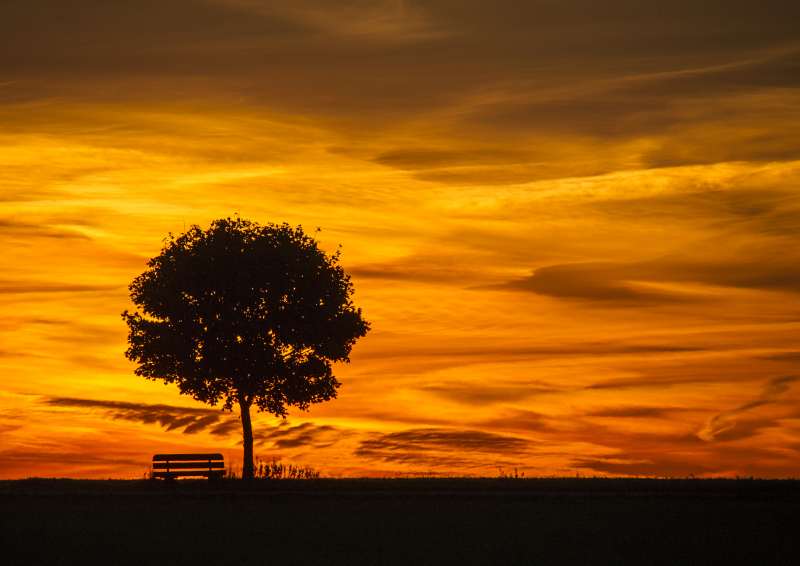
(244, 314)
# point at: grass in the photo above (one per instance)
(402, 521)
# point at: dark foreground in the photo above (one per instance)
(535, 521)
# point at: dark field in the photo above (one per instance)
(416, 521)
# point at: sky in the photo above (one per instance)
(573, 226)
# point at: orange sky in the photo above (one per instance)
(574, 228)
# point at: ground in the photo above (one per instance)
(415, 521)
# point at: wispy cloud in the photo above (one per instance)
(12, 228)
(640, 284)
(299, 436)
(730, 425)
(21, 287)
(592, 282)
(436, 446)
(791, 357)
(636, 412)
(479, 394)
(519, 420)
(189, 420)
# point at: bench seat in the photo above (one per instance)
(170, 466)
(198, 474)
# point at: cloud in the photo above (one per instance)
(226, 427)
(35, 459)
(481, 351)
(732, 204)
(391, 357)
(6, 427)
(751, 226)
(655, 381)
(196, 424)
(670, 455)
(299, 436)
(518, 420)
(712, 459)
(191, 420)
(792, 356)
(556, 67)
(748, 272)
(438, 446)
(427, 459)
(431, 157)
(371, 20)
(647, 103)
(19, 229)
(416, 269)
(597, 282)
(640, 284)
(22, 287)
(738, 429)
(743, 221)
(635, 412)
(729, 425)
(727, 368)
(486, 394)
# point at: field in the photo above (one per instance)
(413, 521)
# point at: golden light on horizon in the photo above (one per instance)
(578, 248)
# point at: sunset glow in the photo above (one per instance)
(573, 230)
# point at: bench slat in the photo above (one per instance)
(186, 457)
(187, 465)
(171, 474)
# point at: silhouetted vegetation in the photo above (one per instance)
(277, 470)
(244, 314)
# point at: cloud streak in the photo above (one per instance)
(636, 412)
(636, 284)
(730, 425)
(189, 420)
(442, 447)
(479, 394)
(304, 435)
(17, 287)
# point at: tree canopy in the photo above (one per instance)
(244, 314)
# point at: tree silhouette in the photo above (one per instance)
(244, 314)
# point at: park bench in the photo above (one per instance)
(171, 466)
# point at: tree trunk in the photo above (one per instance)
(248, 466)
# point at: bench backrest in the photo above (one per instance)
(187, 463)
